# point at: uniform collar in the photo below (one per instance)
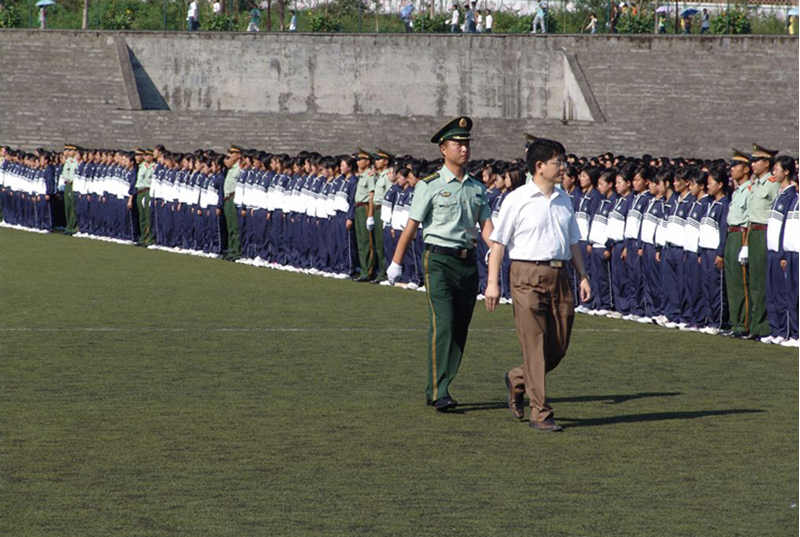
(449, 176)
(536, 191)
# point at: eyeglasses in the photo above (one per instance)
(557, 163)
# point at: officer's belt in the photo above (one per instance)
(142, 190)
(362, 204)
(554, 263)
(758, 227)
(460, 253)
(229, 196)
(737, 229)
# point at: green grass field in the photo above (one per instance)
(149, 393)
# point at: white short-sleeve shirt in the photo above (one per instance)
(535, 227)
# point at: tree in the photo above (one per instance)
(85, 19)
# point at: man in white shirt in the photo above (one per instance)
(191, 17)
(454, 21)
(537, 224)
(217, 8)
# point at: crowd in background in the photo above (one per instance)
(697, 245)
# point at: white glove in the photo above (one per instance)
(370, 223)
(394, 272)
(743, 255)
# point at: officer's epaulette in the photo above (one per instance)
(772, 179)
(430, 178)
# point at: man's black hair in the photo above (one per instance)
(542, 150)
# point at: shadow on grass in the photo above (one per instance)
(655, 416)
(609, 399)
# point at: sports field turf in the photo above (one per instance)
(149, 393)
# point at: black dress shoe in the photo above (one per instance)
(445, 403)
(727, 333)
(746, 337)
(516, 401)
(361, 279)
(547, 426)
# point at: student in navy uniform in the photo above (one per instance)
(599, 247)
(650, 269)
(692, 300)
(585, 205)
(616, 234)
(633, 247)
(791, 263)
(673, 255)
(784, 172)
(713, 232)
(665, 179)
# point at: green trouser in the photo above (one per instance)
(452, 286)
(736, 283)
(377, 238)
(69, 209)
(366, 252)
(143, 206)
(232, 224)
(757, 286)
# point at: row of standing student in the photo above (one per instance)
(654, 242)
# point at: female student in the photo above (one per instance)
(599, 252)
(664, 181)
(650, 268)
(586, 208)
(713, 232)
(632, 251)
(693, 305)
(672, 253)
(616, 237)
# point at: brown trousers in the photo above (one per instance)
(543, 313)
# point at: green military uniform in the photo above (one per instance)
(234, 250)
(68, 176)
(735, 273)
(382, 184)
(763, 192)
(144, 177)
(364, 237)
(449, 210)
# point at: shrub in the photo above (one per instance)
(9, 17)
(320, 22)
(733, 21)
(424, 23)
(219, 23)
(642, 23)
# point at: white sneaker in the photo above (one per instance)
(777, 340)
(505, 301)
(591, 312)
(602, 313)
(710, 331)
(615, 315)
(790, 343)
(479, 297)
(670, 324)
(412, 286)
(645, 320)
(766, 339)
(692, 329)
(385, 283)
(421, 289)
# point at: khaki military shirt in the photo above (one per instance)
(449, 209)
(365, 185)
(737, 211)
(68, 171)
(763, 192)
(231, 178)
(382, 184)
(144, 176)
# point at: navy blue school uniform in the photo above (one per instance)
(650, 267)
(130, 226)
(326, 229)
(672, 257)
(481, 248)
(505, 265)
(777, 278)
(575, 198)
(48, 199)
(389, 243)
(633, 262)
(791, 241)
(620, 281)
(587, 204)
(315, 225)
(347, 256)
(600, 282)
(713, 233)
(692, 302)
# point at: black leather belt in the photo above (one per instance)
(460, 253)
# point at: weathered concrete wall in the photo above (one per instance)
(286, 92)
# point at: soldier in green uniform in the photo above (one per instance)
(763, 192)
(383, 159)
(448, 204)
(234, 251)
(68, 176)
(144, 176)
(735, 273)
(365, 209)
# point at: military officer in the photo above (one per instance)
(448, 204)
(67, 177)
(228, 207)
(383, 160)
(144, 177)
(763, 191)
(365, 210)
(735, 273)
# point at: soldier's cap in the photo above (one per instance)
(235, 149)
(362, 153)
(739, 158)
(140, 151)
(457, 129)
(759, 153)
(68, 147)
(529, 138)
(380, 153)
